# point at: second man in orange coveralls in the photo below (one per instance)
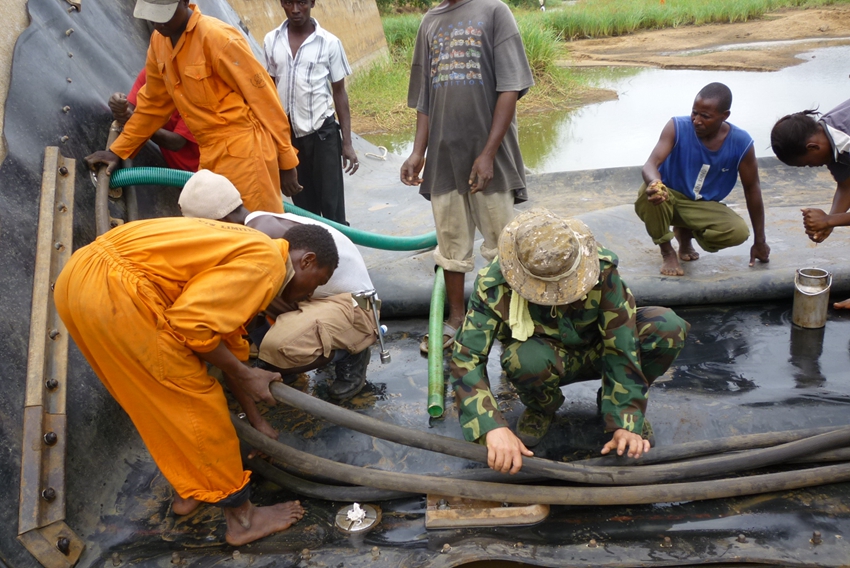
(205, 69)
(181, 291)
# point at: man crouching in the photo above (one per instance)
(556, 302)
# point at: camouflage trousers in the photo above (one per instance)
(539, 366)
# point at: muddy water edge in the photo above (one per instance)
(622, 132)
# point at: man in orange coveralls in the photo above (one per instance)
(205, 69)
(180, 290)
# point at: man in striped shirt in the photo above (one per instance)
(309, 67)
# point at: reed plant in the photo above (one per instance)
(606, 18)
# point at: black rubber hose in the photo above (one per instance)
(699, 448)
(586, 496)
(321, 490)
(839, 455)
(328, 492)
(558, 470)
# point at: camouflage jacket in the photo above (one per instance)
(604, 321)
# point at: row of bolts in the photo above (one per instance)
(63, 544)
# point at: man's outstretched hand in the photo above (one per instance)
(622, 439)
(505, 451)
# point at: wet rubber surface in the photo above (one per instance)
(744, 370)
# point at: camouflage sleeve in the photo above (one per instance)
(477, 408)
(624, 386)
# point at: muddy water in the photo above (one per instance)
(623, 132)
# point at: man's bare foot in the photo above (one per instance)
(845, 305)
(686, 245)
(248, 523)
(182, 506)
(670, 261)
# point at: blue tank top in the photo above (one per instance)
(697, 172)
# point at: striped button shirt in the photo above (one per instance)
(303, 82)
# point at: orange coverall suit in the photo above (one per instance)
(139, 300)
(227, 100)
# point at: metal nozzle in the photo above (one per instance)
(370, 295)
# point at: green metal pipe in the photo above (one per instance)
(178, 178)
(436, 384)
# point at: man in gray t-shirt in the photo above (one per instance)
(469, 69)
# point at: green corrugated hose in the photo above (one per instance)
(436, 385)
(178, 178)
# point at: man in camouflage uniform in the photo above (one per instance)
(563, 315)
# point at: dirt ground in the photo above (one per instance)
(696, 47)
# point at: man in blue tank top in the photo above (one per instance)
(695, 165)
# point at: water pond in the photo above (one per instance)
(622, 132)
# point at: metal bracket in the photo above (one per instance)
(41, 513)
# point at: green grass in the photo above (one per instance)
(606, 18)
(378, 95)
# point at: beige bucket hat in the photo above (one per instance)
(548, 260)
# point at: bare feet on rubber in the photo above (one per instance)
(685, 237)
(670, 261)
(845, 305)
(182, 506)
(247, 523)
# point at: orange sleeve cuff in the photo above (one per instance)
(123, 148)
(203, 345)
(288, 160)
(237, 345)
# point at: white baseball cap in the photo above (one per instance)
(158, 11)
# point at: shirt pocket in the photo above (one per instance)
(196, 84)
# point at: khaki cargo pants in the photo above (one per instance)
(714, 225)
(316, 329)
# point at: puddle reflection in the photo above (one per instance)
(806, 350)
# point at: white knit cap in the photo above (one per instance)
(209, 196)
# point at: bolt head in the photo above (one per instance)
(51, 438)
(742, 538)
(592, 543)
(51, 384)
(446, 548)
(64, 545)
(63, 170)
(48, 494)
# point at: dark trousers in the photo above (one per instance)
(320, 172)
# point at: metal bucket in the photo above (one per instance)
(811, 297)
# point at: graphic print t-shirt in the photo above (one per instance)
(465, 55)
